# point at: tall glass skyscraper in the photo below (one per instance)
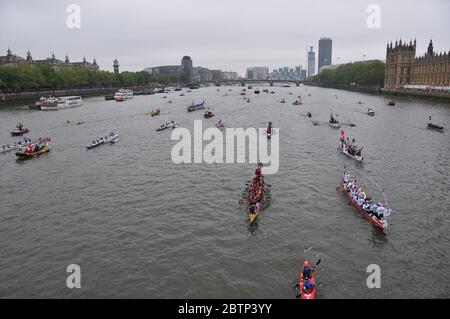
(325, 52)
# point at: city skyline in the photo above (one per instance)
(139, 42)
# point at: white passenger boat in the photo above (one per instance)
(56, 103)
(123, 95)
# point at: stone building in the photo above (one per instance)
(404, 70)
(15, 60)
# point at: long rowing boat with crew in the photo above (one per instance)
(376, 213)
(171, 124)
(195, 107)
(103, 140)
(16, 145)
(350, 151)
(256, 195)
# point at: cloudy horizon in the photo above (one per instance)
(227, 35)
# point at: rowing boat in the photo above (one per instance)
(370, 112)
(103, 140)
(172, 124)
(344, 150)
(311, 294)
(195, 107)
(379, 223)
(17, 145)
(436, 127)
(208, 114)
(257, 199)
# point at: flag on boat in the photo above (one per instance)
(342, 133)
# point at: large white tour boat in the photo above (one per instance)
(55, 103)
(123, 95)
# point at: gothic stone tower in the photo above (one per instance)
(400, 61)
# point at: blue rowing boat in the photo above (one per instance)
(195, 107)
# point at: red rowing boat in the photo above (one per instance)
(374, 220)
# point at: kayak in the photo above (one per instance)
(24, 156)
(18, 133)
(374, 220)
(301, 282)
(99, 142)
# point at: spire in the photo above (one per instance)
(8, 51)
(66, 61)
(430, 48)
(29, 57)
(84, 60)
(53, 55)
(94, 62)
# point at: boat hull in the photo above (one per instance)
(25, 156)
(18, 133)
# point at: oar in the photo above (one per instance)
(349, 124)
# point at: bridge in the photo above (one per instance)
(243, 82)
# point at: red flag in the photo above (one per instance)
(342, 133)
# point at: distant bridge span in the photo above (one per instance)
(243, 82)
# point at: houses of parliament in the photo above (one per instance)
(11, 59)
(406, 71)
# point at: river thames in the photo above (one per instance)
(140, 226)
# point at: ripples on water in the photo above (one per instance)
(141, 226)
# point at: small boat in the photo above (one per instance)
(102, 140)
(283, 101)
(248, 100)
(249, 87)
(188, 91)
(436, 127)
(80, 122)
(208, 114)
(114, 141)
(195, 107)
(269, 130)
(164, 97)
(220, 125)
(256, 91)
(375, 213)
(155, 112)
(182, 94)
(370, 112)
(347, 151)
(265, 90)
(333, 122)
(170, 102)
(171, 124)
(243, 91)
(286, 86)
(290, 93)
(34, 149)
(307, 293)
(18, 132)
(297, 102)
(308, 114)
(391, 103)
(178, 88)
(433, 126)
(272, 92)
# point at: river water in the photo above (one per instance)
(139, 225)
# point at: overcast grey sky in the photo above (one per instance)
(227, 35)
